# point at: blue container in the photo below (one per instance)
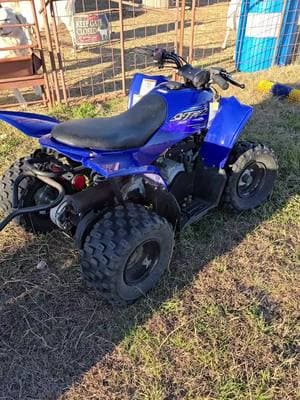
(266, 33)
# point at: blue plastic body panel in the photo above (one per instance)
(187, 114)
(224, 131)
(137, 82)
(34, 125)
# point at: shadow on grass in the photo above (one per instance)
(54, 329)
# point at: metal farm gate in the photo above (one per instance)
(96, 65)
(30, 54)
(90, 45)
(104, 64)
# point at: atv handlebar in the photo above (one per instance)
(199, 78)
(229, 79)
(220, 81)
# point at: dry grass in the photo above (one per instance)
(223, 323)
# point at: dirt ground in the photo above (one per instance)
(222, 324)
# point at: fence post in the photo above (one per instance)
(191, 50)
(39, 42)
(58, 50)
(50, 49)
(283, 13)
(182, 21)
(122, 47)
(176, 27)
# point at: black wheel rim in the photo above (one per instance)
(251, 180)
(141, 262)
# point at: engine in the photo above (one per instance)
(177, 167)
(169, 168)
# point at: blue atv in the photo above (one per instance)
(123, 186)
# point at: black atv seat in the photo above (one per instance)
(132, 128)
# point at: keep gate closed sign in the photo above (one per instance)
(91, 28)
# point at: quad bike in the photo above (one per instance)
(123, 186)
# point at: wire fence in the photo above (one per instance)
(97, 39)
(107, 66)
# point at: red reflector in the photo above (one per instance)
(79, 182)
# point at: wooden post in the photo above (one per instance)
(58, 52)
(182, 20)
(191, 50)
(122, 47)
(176, 28)
(39, 42)
(50, 49)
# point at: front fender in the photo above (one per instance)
(224, 131)
(34, 125)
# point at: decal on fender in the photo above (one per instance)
(185, 115)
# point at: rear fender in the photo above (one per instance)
(109, 164)
(33, 125)
(224, 132)
(150, 172)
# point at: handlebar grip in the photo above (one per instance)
(220, 81)
(239, 85)
(201, 78)
(159, 54)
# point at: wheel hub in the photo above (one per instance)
(246, 178)
(147, 262)
(141, 262)
(251, 179)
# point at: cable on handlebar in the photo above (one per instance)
(196, 76)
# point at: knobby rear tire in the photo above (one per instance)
(30, 222)
(111, 243)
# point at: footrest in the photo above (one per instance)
(195, 210)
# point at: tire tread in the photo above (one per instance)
(105, 249)
(243, 152)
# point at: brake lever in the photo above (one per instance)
(229, 78)
(235, 83)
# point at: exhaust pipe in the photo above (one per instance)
(89, 199)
